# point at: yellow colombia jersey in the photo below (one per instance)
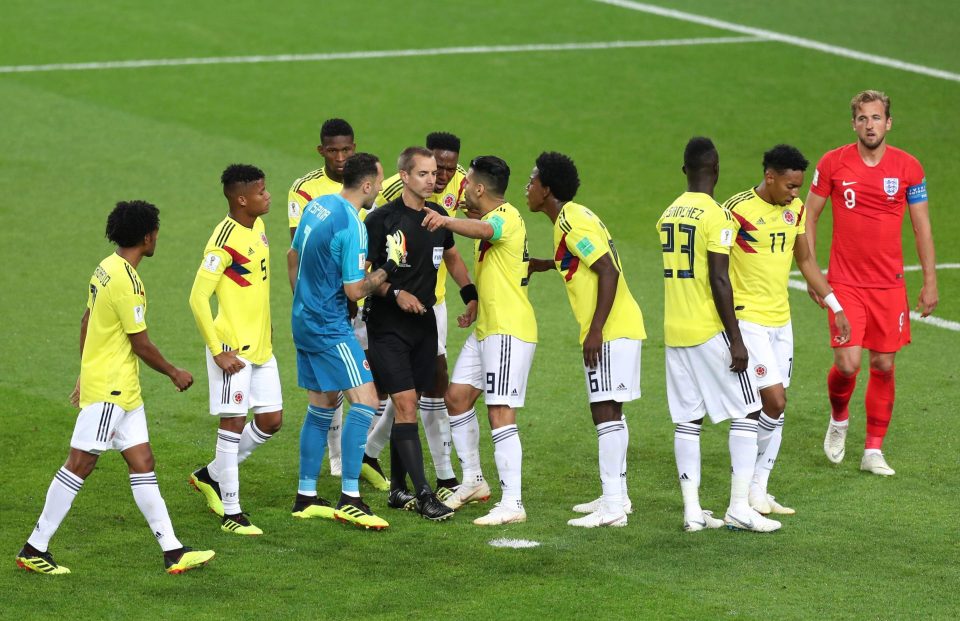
(117, 301)
(761, 259)
(580, 239)
(451, 199)
(500, 267)
(305, 189)
(236, 266)
(690, 228)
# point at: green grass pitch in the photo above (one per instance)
(75, 142)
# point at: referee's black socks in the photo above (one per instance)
(405, 440)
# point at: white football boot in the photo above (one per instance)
(467, 493)
(835, 442)
(503, 514)
(765, 504)
(595, 505)
(599, 518)
(875, 463)
(749, 520)
(707, 521)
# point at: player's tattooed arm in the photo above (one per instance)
(719, 264)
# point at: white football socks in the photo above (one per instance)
(227, 471)
(436, 426)
(508, 455)
(686, 448)
(743, 457)
(379, 433)
(611, 438)
(63, 489)
(333, 436)
(769, 438)
(146, 493)
(465, 431)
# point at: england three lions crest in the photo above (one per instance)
(891, 185)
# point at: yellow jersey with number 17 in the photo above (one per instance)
(501, 275)
(761, 258)
(579, 240)
(692, 226)
(117, 302)
(235, 266)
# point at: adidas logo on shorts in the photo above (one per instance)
(621, 387)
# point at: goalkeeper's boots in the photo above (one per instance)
(31, 559)
(352, 510)
(185, 559)
(239, 524)
(204, 483)
(312, 507)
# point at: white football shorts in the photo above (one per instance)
(771, 352)
(617, 377)
(498, 365)
(699, 382)
(440, 310)
(103, 426)
(254, 387)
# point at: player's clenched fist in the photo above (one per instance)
(182, 379)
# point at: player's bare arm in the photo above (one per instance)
(814, 206)
(923, 233)
(719, 265)
(817, 283)
(540, 265)
(293, 267)
(468, 292)
(474, 229)
(608, 277)
(75, 395)
(144, 348)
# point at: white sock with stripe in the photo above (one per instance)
(611, 438)
(743, 457)
(333, 436)
(380, 429)
(228, 474)
(436, 426)
(508, 455)
(63, 489)
(769, 438)
(623, 467)
(686, 448)
(250, 439)
(465, 432)
(146, 492)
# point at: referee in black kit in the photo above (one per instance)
(401, 326)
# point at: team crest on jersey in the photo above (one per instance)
(238, 397)
(789, 217)
(760, 370)
(449, 200)
(263, 238)
(891, 185)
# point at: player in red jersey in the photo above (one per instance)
(869, 184)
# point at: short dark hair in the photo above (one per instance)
(405, 161)
(784, 157)
(559, 173)
(699, 154)
(131, 221)
(236, 175)
(443, 141)
(335, 127)
(358, 167)
(493, 172)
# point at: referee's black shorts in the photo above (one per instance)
(403, 356)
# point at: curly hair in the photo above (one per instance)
(332, 128)
(443, 141)
(559, 173)
(239, 174)
(131, 221)
(784, 157)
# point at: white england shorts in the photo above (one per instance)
(771, 352)
(440, 310)
(617, 377)
(699, 382)
(254, 387)
(498, 365)
(103, 426)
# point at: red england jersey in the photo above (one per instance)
(868, 207)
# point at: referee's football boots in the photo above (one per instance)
(204, 483)
(31, 559)
(401, 499)
(430, 507)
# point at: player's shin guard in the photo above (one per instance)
(436, 426)
(840, 387)
(611, 438)
(508, 455)
(146, 493)
(743, 457)
(228, 473)
(686, 448)
(405, 439)
(380, 434)
(250, 440)
(63, 489)
(353, 441)
(465, 432)
(333, 435)
(769, 438)
(313, 444)
(881, 389)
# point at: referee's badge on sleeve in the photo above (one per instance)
(437, 256)
(211, 263)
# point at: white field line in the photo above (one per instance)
(785, 38)
(946, 324)
(363, 55)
